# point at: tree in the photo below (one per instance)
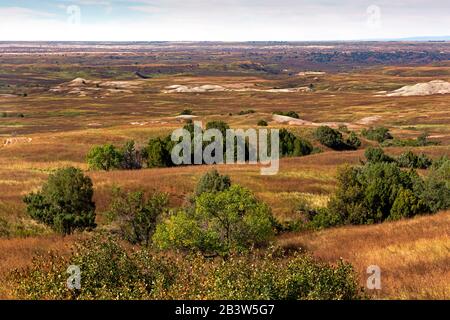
(131, 158)
(222, 126)
(105, 157)
(157, 153)
(212, 181)
(376, 155)
(353, 141)
(367, 194)
(379, 134)
(230, 220)
(262, 123)
(410, 160)
(137, 215)
(293, 146)
(64, 202)
(330, 137)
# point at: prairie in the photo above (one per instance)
(55, 129)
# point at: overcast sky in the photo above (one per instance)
(226, 20)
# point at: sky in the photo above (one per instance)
(226, 20)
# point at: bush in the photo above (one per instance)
(435, 190)
(212, 181)
(377, 155)
(379, 134)
(157, 153)
(353, 141)
(136, 215)
(221, 222)
(367, 195)
(109, 271)
(105, 157)
(186, 112)
(291, 114)
(330, 138)
(406, 205)
(222, 126)
(262, 123)
(410, 160)
(244, 112)
(64, 202)
(293, 146)
(131, 157)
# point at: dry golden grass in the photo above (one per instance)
(414, 255)
(19, 253)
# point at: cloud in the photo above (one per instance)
(228, 20)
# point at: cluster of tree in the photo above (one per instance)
(291, 114)
(157, 152)
(380, 191)
(108, 157)
(334, 139)
(406, 160)
(220, 218)
(379, 134)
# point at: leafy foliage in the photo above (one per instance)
(212, 181)
(293, 146)
(262, 123)
(221, 222)
(109, 271)
(105, 157)
(379, 134)
(137, 216)
(65, 202)
(334, 139)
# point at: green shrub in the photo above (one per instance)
(293, 146)
(131, 157)
(420, 141)
(435, 190)
(406, 205)
(244, 112)
(353, 141)
(186, 112)
(109, 271)
(377, 155)
(291, 114)
(212, 181)
(221, 222)
(410, 160)
(330, 138)
(157, 153)
(379, 134)
(105, 157)
(137, 215)
(366, 195)
(262, 123)
(64, 202)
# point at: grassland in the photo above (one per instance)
(414, 255)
